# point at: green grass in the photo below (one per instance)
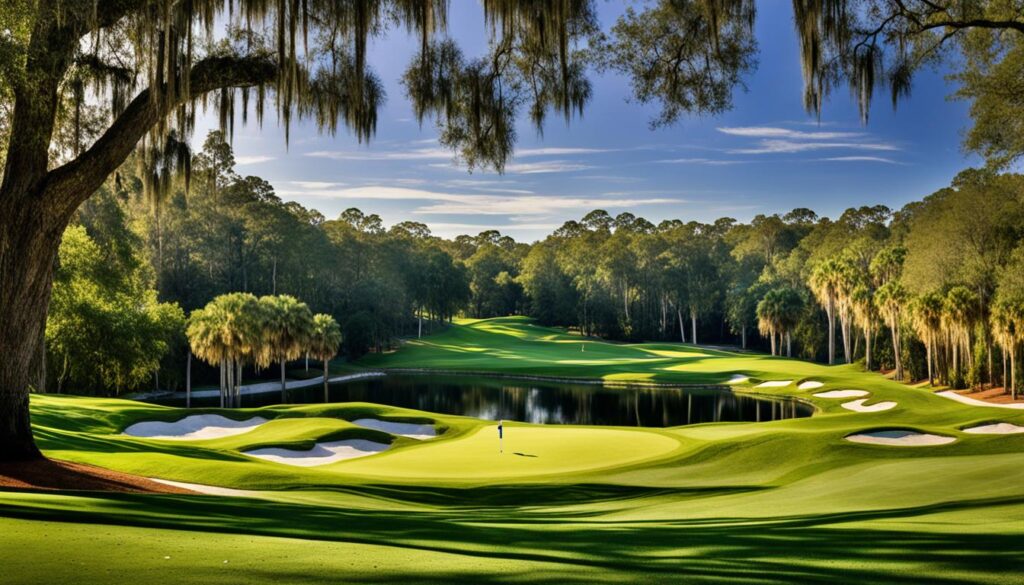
(784, 501)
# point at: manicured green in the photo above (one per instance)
(739, 502)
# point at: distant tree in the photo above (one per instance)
(866, 315)
(323, 343)
(891, 299)
(287, 326)
(1008, 327)
(926, 315)
(826, 282)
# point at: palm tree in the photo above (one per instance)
(926, 316)
(847, 280)
(1007, 321)
(890, 299)
(961, 314)
(287, 327)
(204, 337)
(324, 341)
(865, 314)
(768, 317)
(777, 315)
(825, 283)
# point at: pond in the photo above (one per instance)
(546, 402)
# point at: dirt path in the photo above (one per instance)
(48, 474)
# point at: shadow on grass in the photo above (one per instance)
(800, 549)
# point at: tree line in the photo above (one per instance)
(932, 291)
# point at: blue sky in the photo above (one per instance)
(765, 156)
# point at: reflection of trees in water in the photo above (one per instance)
(554, 403)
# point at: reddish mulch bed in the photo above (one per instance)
(48, 474)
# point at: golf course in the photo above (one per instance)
(754, 502)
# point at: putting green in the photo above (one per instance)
(528, 451)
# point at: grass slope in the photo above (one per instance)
(785, 501)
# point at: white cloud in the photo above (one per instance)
(412, 154)
(878, 159)
(252, 159)
(774, 132)
(560, 151)
(438, 153)
(466, 204)
(316, 184)
(701, 161)
(553, 166)
(790, 146)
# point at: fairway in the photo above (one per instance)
(789, 500)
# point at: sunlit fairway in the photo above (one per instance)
(791, 500)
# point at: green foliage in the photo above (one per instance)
(106, 332)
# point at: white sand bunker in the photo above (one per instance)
(413, 431)
(197, 426)
(738, 379)
(859, 406)
(841, 394)
(900, 438)
(775, 384)
(321, 453)
(995, 429)
(810, 385)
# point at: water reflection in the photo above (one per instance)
(552, 403)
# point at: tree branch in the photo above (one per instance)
(71, 184)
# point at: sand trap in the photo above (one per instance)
(900, 438)
(197, 426)
(995, 429)
(738, 379)
(413, 431)
(841, 394)
(321, 453)
(810, 385)
(775, 384)
(859, 406)
(211, 490)
(975, 402)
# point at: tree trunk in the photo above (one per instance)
(28, 246)
(896, 349)
(284, 387)
(326, 395)
(830, 312)
(223, 383)
(771, 336)
(188, 380)
(789, 344)
(844, 329)
(682, 328)
(928, 358)
(273, 278)
(867, 347)
(1013, 374)
(1002, 377)
(743, 337)
(419, 331)
(238, 386)
(693, 326)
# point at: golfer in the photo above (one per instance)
(501, 429)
